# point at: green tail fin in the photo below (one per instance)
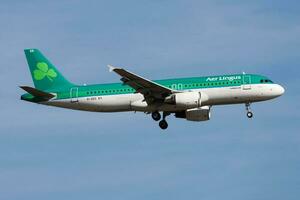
(44, 74)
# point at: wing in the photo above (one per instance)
(152, 91)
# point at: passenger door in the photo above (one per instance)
(74, 94)
(246, 82)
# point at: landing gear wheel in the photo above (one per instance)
(249, 115)
(163, 124)
(156, 116)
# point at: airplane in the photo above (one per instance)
(186, 98)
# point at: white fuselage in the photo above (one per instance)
(135, 102)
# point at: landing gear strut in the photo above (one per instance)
(249, 113)
(163, 124)
(156, 116)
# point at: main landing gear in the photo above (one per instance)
(163, 124)
(249, 113)
(156, 116)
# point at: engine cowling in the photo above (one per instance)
(195, 114)
(187, 100)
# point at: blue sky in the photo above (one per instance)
(52, 153)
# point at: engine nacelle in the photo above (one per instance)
(185, 100)
(195, 114)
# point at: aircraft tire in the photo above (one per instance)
(156, 116)
(163, 124)
(249, 115)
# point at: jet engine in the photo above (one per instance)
(195, 114)
(186, 100)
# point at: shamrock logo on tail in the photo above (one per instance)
(43, 71)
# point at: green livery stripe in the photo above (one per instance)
(177, 84)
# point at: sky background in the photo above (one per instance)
(53, 153)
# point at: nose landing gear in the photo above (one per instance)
(249, 113)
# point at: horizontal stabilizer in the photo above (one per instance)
(37, 93)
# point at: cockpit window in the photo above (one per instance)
(266, 81)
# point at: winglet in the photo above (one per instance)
(111, 68)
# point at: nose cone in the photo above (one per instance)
(278, 90)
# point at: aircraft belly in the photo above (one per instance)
(235, 95)
(224, 95)
(108, 103)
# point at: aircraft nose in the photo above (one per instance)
(279, 90)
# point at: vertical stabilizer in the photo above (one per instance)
(44, 74)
